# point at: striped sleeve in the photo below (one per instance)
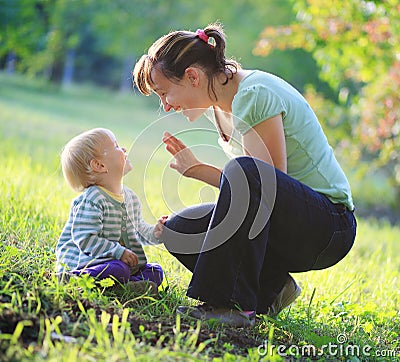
(144, 232)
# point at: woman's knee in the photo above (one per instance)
(248, 172)
(238, 163)
(247, 164)
(184, 232)
(193, 219)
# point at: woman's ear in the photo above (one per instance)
(98, 166)
(193, 76)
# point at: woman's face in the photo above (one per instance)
(188, 95)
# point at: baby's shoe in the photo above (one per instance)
(143, 287)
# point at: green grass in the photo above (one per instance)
(83, 320)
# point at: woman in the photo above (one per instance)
(284, 206)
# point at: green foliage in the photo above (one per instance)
(355, 43)
(22, 26)
(99, 41)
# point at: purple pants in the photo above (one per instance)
(120, 271)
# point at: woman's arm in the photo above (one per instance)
(266, 141)
(188, 165)
(206, 173)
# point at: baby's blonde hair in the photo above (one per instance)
(77, 155)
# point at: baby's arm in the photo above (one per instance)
(146, 234)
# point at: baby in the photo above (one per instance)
(104, 233)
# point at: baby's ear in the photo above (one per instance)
(97, 166)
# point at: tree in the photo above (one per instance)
(123, 27)
(22, 27)
(356, 45)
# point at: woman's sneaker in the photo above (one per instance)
(287, 296)
(230, 317)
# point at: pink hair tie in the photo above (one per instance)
(203, 36)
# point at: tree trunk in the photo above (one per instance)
(69, 66)
(10, 63)
(126, 77)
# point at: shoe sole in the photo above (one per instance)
(284, 303)
(291, 298)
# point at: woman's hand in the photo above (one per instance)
(159, 227)
(129, 258)
(187, 164)
(184, 157)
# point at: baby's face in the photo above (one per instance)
(128, 166)
(114, 156)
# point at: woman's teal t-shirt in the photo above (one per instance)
(310, 158)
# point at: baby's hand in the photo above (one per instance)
(129, 258)
(159, 227)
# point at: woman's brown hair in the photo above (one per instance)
(175, 52)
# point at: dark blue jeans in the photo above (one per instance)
(264, 225)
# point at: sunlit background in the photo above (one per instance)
(65, 67)
(343, 56)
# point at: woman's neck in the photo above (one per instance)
(226, 92)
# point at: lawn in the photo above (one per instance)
(348, 312)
